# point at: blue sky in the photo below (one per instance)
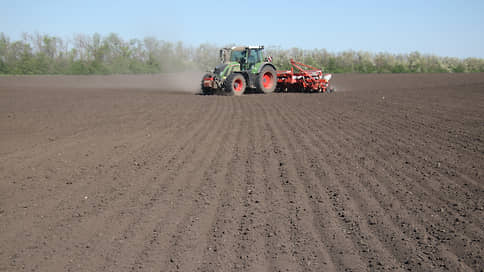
(445, 28)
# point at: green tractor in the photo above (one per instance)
(241, 68)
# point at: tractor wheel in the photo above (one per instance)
(235, 84)
(206, 90)
(266, 80)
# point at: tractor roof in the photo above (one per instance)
(240, 48)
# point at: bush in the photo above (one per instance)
(44, 54)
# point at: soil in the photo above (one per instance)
(137, 173)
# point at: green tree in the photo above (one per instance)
(96, 54)
(4, 46)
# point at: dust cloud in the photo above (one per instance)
(182, 82)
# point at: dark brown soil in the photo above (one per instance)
(122, 173)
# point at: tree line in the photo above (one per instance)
(111, 54)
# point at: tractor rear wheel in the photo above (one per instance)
(235, 84)
(266, 80)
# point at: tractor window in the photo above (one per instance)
(237, 56)
(254, 57)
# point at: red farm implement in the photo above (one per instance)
(303, 78)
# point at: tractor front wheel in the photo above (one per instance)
(266, 80)
(235, 84)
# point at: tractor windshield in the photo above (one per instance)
(237, 55)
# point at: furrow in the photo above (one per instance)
(183, 205)
(164, 197)
(233, 240)
(71, 182)
(309, 248)
(464, 244)
(250, 238)
(93, 221)
(326, 195)
(407, 228)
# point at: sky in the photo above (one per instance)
(444, 28)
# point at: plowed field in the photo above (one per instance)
(130, 173)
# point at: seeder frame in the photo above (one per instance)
(310, 79)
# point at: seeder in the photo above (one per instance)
(310, 79)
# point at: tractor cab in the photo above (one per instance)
(247, 57)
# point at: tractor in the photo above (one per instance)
(241, 68)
